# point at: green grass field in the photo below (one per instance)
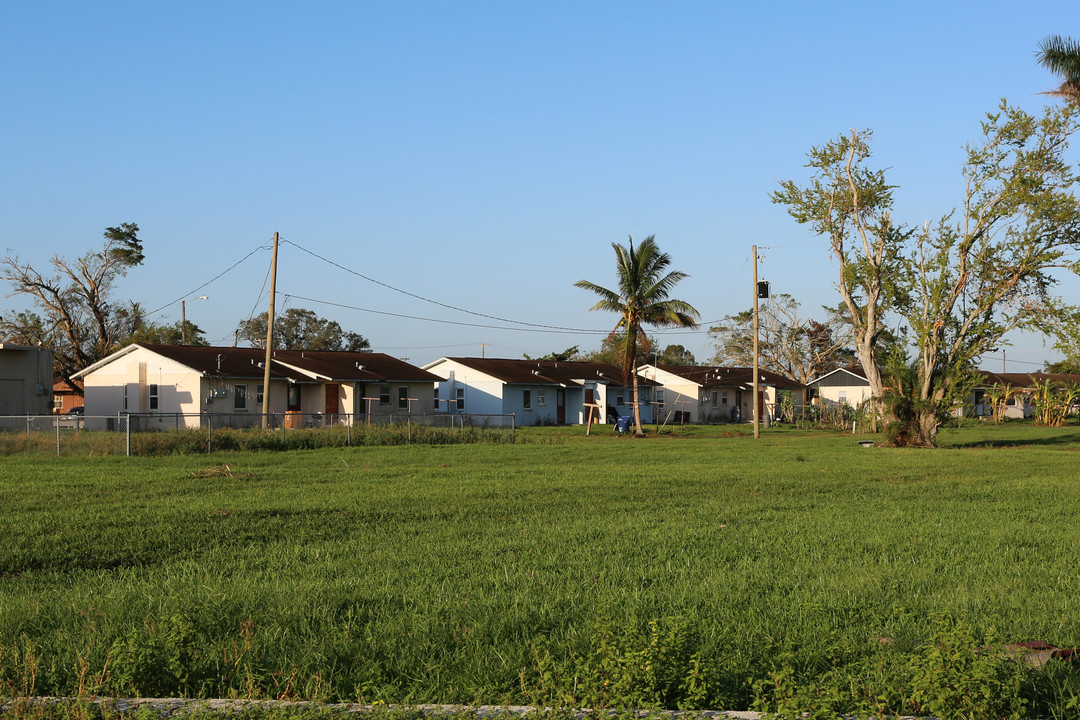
(530, 573)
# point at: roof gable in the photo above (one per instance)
(737, 377)
(293, 365)
(513, 371)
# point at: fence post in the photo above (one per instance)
(348, 431)
(408, 420)
(56, 419)
(513, 429)
(284, 418)
(209, 430)
(127, 431)
(27, 426)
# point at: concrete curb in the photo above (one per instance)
(180, 706)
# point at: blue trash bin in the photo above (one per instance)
(623, 424)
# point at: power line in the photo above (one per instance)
(535, 328)
(429, 300)
(219, 275)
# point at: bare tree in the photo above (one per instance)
(789, 344)
(76, 317)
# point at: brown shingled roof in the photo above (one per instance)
(355, 366)
(547, 372)
(713, 376)
(294, 365)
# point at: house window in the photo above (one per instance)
(436, 398)
(541, 397)
(125, 397)
(152, 396)
(660, 398)
(403, 398)
(384, 394)
(239, 397)
(619, 400)
(461, 399)
(259, 394)
(715, 398)
(842, 397)
(723, 397)
(526, 399)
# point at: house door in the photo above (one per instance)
(736, 412)
(293, 401)
(560, 406)
(332, 390)
(761, 405)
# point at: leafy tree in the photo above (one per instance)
(795, 347)
(642, 299)
(568, 355)
(300, 329)
(1061, 56)
(611, 348)
(676, 355)
(1067, 366)
(76, 316)
(161, 334)
(958, 285)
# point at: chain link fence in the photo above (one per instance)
(130, 434)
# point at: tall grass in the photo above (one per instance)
(537, 572)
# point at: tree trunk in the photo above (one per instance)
(926, 429)
(638, 432)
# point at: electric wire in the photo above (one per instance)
(552, 330)
(429, 300)
(216, 277)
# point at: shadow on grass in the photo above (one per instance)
(1020, 439)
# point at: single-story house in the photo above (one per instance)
(1020, 402)
(26, 374)
(66, 396)
(842, 386)
(537, 392)
(314, 386)
(710, 394)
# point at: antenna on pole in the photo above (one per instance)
(269, 338)
(757, 408)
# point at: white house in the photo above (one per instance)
(710, 394)
(842, 386)
(26, 378)
(1021, 387)
(537, 392)
(170, 381)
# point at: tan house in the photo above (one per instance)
(710, 394)
(26, 374)
(843, 386)
(179, 384)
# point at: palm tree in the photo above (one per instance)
(642, 299)
(1061, 56)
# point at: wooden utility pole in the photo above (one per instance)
(269, 338)
(757, 409)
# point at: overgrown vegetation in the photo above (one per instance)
(199, 441)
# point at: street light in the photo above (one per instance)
(183, 318)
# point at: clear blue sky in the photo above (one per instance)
(481, 154)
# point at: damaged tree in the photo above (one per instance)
(958, 286)
(78, 320)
